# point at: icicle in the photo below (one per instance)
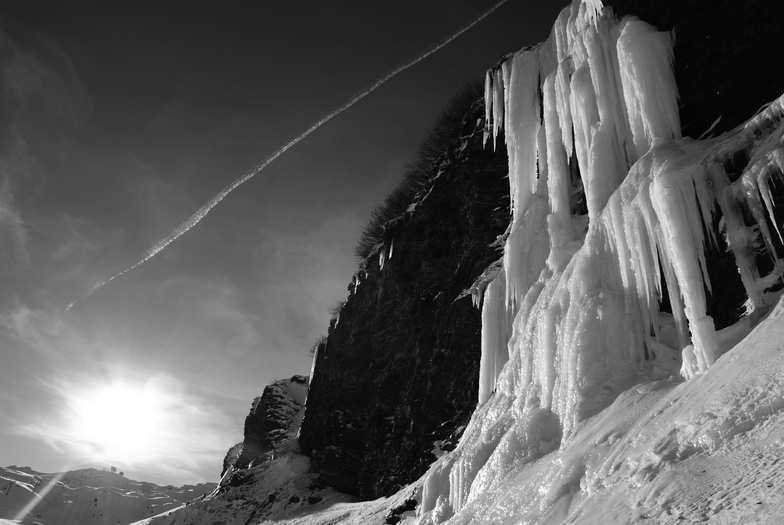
(526, 251)
(601, 128)
(593, 9)
(563, 96)
(496, 328)
(606, 78)
(645, 57)
(755, 182)
(558, 222)
(489, 96)
(739, 238)
(499, 96)
(436, 490)
(522, 127)
(527, 246)
(585, 114)
(563, 73)
(678, 192)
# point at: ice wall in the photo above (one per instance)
(609, 203)
(576, 112)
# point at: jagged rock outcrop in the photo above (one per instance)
(274, 418)
(231, 457)
(399, 369)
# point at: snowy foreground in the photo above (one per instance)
(595, 404)
(666, 451)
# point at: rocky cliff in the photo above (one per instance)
(399, 368)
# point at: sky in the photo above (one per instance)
(118, 120)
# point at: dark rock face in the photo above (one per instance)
(400, 366)
(271, 421)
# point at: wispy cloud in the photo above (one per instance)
(14, 254)
(40, 77)
(41, 95)
(35, 329)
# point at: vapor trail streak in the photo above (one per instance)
(204, 210)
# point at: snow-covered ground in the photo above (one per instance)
(665, 451)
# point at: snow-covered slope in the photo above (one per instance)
(87, 496)
(665, 451)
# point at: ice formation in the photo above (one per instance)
(612, 212)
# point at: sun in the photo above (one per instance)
(118, 421)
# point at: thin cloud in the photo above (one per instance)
(40, 76)
(217, 317)
(41, 93)
(35, 329)
(14, 254)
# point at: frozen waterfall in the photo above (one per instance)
(611, 211)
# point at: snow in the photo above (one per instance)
(663, 451)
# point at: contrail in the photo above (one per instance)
(204, 210)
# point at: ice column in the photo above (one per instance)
(496, 328)
(645, 59)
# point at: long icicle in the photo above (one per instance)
(204, 210)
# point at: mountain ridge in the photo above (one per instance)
(86, 496)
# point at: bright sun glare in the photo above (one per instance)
(119, 421)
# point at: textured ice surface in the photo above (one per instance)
(584, 304)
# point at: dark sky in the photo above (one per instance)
(118, 120)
